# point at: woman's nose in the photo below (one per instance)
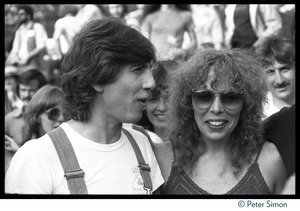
(217, 105)
(162, 104)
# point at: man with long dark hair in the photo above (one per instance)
(107, 77)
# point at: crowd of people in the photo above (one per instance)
(163, 99)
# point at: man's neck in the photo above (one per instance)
(97, 132)
(278, 103)
(27, 23)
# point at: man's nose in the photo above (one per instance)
(279, 78)
(27, 93)
(149, 82)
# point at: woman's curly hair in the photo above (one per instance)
(243, 71)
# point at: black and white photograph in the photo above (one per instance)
(167, 102)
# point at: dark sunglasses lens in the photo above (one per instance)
(231, 100)
(203, 99)
(53, 114)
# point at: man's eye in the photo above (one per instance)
(285, 70)
(269, 72)
(137, 70)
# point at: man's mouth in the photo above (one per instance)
(282, 86)
(143, 98)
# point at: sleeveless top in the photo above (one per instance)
(252, 183)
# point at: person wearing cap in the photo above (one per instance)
(11, 83)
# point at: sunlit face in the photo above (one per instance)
(217, 122)
(125, 99)
(116, 10)
(157, 108)
(51, 118)
(13, 11)
(281, 81)
(26, 91)
(11, 84)
(23, 17)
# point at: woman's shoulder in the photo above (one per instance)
(155, 138)
(165, 156)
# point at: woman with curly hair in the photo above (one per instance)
(44, 112)
(216, 102)
(155, 116)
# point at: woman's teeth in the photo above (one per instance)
(216, 123)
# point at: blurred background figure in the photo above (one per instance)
(286, 12)
(89, 12)
(29, 83)
(10, 147)
(135, 17)
(117, 10)
(44, 112)
(29, 41)
(277, 57)
(7, 106)
(155, 117)
(11, 26)
(165, 26)
(11, 86)
(248, 24)
(208, 26)
(65, 27)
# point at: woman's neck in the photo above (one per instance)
(161, 132)
(218, 146)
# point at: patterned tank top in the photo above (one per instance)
(252, 183)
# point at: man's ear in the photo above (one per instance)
(98, 87)
(38, 119)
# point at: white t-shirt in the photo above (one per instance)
(154, 137)
(109, 168)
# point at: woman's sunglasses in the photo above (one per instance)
(53, 113)
(230, 100)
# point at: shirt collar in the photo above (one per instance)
(19, 112)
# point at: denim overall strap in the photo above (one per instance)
(73, 173)
(144, 168)
(142, 130)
